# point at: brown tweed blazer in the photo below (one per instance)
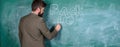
(33, 31)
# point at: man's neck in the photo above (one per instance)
(35, 12)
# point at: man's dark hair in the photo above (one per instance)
(38, 4)
(43, 4)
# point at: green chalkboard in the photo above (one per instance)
(85, 23)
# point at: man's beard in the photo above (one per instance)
(40, 14)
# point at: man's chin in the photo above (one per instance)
(40, 15)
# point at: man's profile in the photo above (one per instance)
(32, 28)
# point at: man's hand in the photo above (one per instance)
(58, 27)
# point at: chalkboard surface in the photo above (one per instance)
(85, 23)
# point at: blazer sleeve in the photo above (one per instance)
(44, 30)
(20, 36)
(20, 33)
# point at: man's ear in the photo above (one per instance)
(38, 9)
